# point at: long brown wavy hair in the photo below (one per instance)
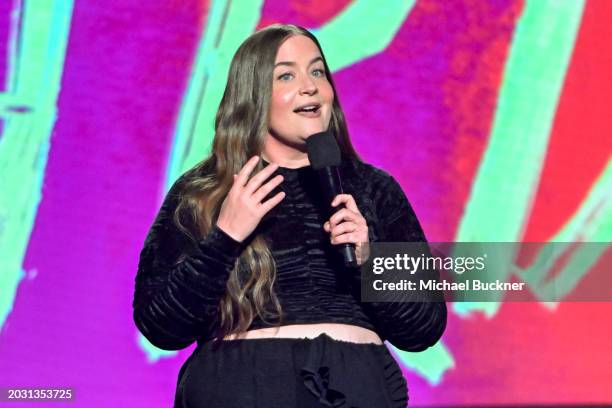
(241, 126)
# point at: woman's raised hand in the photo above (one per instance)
(242, 209)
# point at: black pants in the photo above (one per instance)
(291, 372)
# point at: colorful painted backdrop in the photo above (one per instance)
(492, 114)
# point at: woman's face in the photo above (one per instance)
(299, 81)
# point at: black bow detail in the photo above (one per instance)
(318, 384)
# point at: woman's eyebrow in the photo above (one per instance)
(291, 63)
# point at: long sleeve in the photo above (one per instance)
(419, 319)
(180, 281)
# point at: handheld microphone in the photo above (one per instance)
(324, 156)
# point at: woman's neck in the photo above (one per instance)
(284, 156)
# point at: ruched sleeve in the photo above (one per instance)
(180, 281)
(419, 319)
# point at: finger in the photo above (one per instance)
(343, 215)
(348, 201)
(343, 228)
(263, 191)
(326, 226)
(349, 238)
(247, 169)
(271, 203)
(260, 177)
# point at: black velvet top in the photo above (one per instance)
(180, 282)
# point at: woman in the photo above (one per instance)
(241, 258)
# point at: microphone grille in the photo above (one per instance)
(323, 150)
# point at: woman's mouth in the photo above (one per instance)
(309, 111)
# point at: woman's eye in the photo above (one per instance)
(319, 72)
(284, 77)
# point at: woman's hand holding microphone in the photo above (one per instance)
(347, 225)
(242, 209)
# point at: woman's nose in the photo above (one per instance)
(308, 85)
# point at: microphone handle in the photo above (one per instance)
(331, 186)
(348, 254)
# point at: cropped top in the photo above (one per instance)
(180, 281)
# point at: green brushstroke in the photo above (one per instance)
(591, 223)
(153, 353)
(507, 180)
(367, 23)
(430, 364)
(35, 63)
(228, 24)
